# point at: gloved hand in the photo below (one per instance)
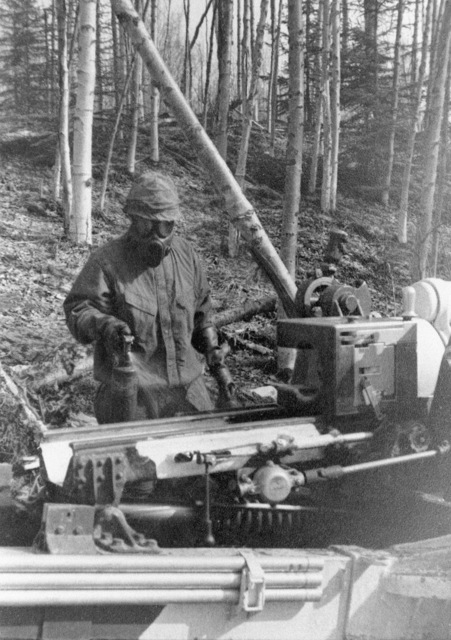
(215, 356)
(227, 390)
(113, 335)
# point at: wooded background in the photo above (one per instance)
(302, 115)
(347, 90)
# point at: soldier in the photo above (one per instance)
(149, 283)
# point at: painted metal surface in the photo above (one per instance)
(365, 595)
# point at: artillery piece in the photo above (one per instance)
(366, 393)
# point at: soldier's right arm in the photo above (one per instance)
(89, 306)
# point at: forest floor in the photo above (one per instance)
(38, 265)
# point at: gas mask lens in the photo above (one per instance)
(163, 228)
(156, 228)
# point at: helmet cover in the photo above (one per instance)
(154, 197)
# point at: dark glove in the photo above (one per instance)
(113, 335)
(227, 391)
(215, 356)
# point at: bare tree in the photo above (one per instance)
(224, 36)
(345, 28)
(414, 127)
(136, 94)
(80, 224)
(115, 55)
(327, 126)
(436, 104)
(238, 48)
(273, 79)
(109, 155)
(208, 71)
(394, 106)
(99, 74)
(316, 145)
(63, 134)
(251, 95)
(154, 95)
(187, 70)
(335, 115)
(248, 110)
(295, 136)
(414, 54)
(443, 168)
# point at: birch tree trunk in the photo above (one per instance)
(432, 146)
(48, 89)
(415, 125)
(80, 224)
(53, 58)
(63, 135)
(295, 137)
(369, 155)
(123, 63)
(414, 55)
(274, 82)
(335, 115)
(248, 106)
(57, 164)
(237, 206)
(114, 134)
(245, 53)
(316, 145)
(325, 91)
(136, 92)
(394, 107)
(72, 61)
(308, 108)
(186, 78)
(272, 30)
(442, 175)
(57, 173)
(168, 26)
(248, 111)
(154, 95)
(203, 18)
(345, 30)
(99, 78)
(432, 54)
(225, 22)
(208, 71)
(115, 54)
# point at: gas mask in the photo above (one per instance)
(151, 239)
(153, 206)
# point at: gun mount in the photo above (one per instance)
(363, 396)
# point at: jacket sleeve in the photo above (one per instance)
(89, 305)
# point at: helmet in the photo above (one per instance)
(153, 196)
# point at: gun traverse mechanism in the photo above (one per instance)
(362, 397)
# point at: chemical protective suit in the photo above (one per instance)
(150, 284)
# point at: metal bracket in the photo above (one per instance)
(99, 476)
(252, 588)
(66, 528)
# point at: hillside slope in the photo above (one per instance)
(37, 266)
